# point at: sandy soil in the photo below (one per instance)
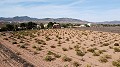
(65, 47)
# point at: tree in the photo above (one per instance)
(50, 25)
(10, 27)
(42, 26)
(3, 29)
(31, 25)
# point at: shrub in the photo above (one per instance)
(117, 49)
(96, 54)
(64, 49)
(67, 39)
(38, 48)
(22, 46)
(5, 39)
(14, 42)
(76, 64)
(49, 58)
(57, 55)
(116, 44)
(91, 50)
(50, 53)
(44, 43)
(105, 44)
(108, 56)
(53, 46)
(59, 38)
(65, 58)
(103, 59)
(34, 47)
(116, 63)
(80, 53)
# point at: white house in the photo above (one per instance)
(45, 25)
(82, 25)
(89, 24)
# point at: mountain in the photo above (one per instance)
(27, 19)
(17, 18)
(109, 22)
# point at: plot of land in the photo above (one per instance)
(65, 47)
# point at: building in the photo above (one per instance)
(82, 25)
(56, 26)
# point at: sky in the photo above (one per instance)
(89, 10)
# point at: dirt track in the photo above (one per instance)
(10, 59)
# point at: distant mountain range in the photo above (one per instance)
(27, 19)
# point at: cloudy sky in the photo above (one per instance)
(89, 10)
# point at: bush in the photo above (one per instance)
(116, 44)
(106, 44)
(38, 48)
(57, 55)
(117, 49)
(80, 53)
(53, 46)
(96, 54)
(50, 53)
(14, 42)
(49, 58)
(91, 50)
(64, 49)
(65, 58)
(22, 46)
(34, 47)
(103, 59)
(76, 64)
(116, 63)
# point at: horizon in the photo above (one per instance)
(92, 11)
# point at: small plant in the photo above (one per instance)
(103, 59)
(49, 58)
(106, 44)
(59, 38)
(97, 53)
(108, 56)
(116, 49)
(64, 49)
(53, 46)
(34, 46)
(70, 48)
(66, 59)
(80, 53)
(116, 44)
(116, 63)
(22, 46)
(44, 43)
(14, 42)
(38, 48)
(88, 65)
(67, 39)
(50, 53)
(91, 50)
(57, 55)
(76, 64)
(5, 39)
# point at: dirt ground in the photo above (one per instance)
(64, 47)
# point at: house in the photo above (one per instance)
(89, 24)
(82, 25)
(45, 25)
(56, 26)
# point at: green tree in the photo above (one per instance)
(42, 26)
(50, 25)
(31, 25)
(10, 27)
